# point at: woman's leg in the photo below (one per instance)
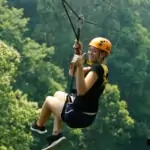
(53, 105)
(57, 126)
(61, 96)
(44, 113)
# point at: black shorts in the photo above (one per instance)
(75, 118)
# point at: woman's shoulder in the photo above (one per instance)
(100, 69)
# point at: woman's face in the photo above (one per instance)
(93, 54)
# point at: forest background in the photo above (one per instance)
(35, 52)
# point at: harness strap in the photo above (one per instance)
(105, 74)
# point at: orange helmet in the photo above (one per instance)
(101, 44)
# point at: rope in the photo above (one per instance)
(77, 34)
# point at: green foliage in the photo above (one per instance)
(58, 33)
(38, 76)
(120, 124)
(12, 24)
(16, 112)
(8, 61)
(115, 111)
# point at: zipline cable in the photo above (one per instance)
(63, 3)
(77, 35)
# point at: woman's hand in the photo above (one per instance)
(78, 60)
(77, 48)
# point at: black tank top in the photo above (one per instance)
(90, 101)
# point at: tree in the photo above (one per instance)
(12, 25)
(16, 112)
(125, 23)
(38, 76)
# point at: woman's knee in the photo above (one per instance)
(54, 105)
(52, 101)
(48, 100)
(60, 95)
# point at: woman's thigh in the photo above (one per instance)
(61, 96)
(56, 102)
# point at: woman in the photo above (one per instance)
(77, 110)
